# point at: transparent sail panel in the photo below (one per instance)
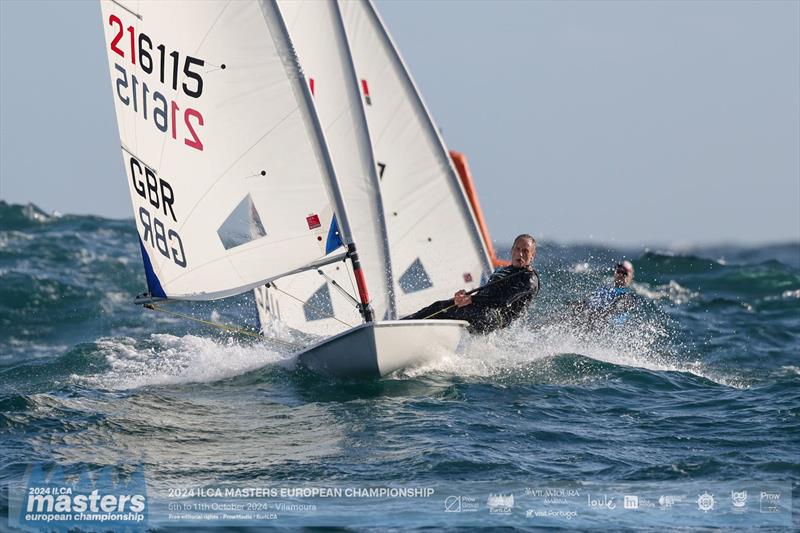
(415, 278)
(242, 226)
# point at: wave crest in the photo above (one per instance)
(164, 359)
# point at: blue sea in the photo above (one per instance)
(685, 416)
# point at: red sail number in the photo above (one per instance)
(113, 19)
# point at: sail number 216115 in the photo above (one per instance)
(154, 63)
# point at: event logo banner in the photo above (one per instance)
(117, 499)
(55, 499)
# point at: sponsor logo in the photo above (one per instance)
(554, 495)
(500, 503)
(452, 504)
(630, 502)
(550, 513)
(739, 500)
(666, 501)
(705, 502)
(603, 502)
(461, 504)
(770, 502)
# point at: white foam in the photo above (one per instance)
(170, 360)
(31, 349)
(673, 291)
(510, 352)
(785, 295)
(505, 350)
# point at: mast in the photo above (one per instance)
(387, 271)
(283, 43)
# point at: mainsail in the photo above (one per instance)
(434, 239)
(228, 175)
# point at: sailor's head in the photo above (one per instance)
(523, 251)
(623, 274)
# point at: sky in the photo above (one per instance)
(626, 123)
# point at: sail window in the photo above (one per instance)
(242, 225)
(415, 278)
(319, 306)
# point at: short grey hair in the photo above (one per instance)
(525, 236)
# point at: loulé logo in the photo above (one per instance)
(88, 501)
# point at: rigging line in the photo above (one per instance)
(350, 277)
(225, 327)
(338, 287)
(473, 291)
(141, 160)
(203, 40)
(272, 285)
(137, 15)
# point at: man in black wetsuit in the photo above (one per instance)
(502, 299)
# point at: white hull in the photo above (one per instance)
(377, 349)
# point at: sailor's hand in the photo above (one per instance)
(462, 299)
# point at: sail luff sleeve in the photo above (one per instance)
(366, 142)
(283, 42)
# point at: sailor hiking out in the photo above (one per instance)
(609, 305)
(501, 300)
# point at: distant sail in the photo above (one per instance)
(227, 178)
(435, 243)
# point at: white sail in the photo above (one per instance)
(434, 240)
(228, 177)
(307, 301)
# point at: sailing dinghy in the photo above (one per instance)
(261, 141)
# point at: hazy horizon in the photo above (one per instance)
(506, 242)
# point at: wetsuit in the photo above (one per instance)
(494, 306)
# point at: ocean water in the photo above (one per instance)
(698, 393)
